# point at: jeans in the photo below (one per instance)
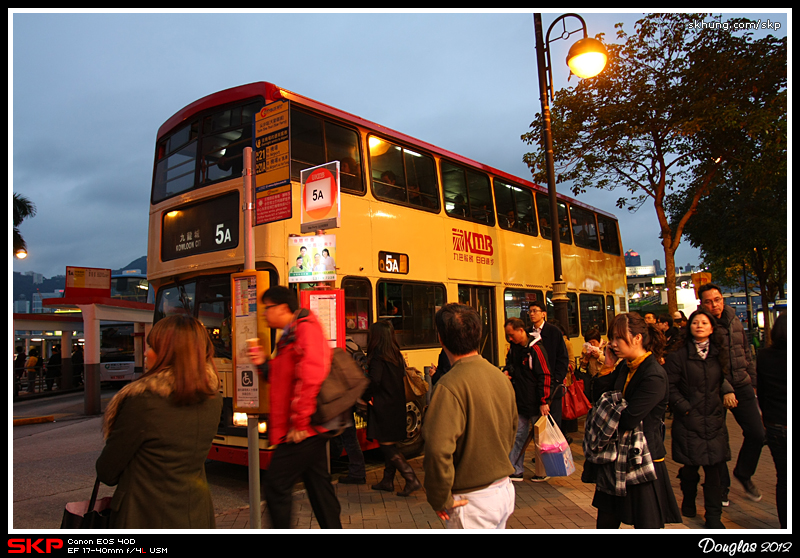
(748, 415)
(517, 457)
(487, 508)
(349, 441)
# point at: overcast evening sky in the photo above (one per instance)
(88, 92)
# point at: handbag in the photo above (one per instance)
(575, 404)
(91, 514)
(415, 384)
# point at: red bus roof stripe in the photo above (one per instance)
(271, 92)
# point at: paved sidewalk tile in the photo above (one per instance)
(562, 503)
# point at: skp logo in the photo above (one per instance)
(29, 546)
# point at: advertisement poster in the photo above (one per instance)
(312, 259)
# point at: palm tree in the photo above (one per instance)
(23, 208)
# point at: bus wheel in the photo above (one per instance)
(413, 444)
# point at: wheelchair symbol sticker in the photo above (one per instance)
(247, 378)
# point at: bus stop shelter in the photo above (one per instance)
(93, 310)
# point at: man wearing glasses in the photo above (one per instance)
(296, 372)
(558, 358)
(742, 376)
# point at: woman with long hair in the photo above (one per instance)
(386, 411)
(158, 431)
(696, 393)
(646, 502)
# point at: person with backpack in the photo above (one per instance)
(296, 373)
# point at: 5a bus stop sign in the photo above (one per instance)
(320, 201)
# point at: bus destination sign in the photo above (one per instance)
(208, 226)
(273, 185)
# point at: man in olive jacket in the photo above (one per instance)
(469, 430)
(742, 376)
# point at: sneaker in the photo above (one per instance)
(536, 478)
(516, 477)
(725, 501)
(750, 489)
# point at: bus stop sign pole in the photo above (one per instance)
(252, 419)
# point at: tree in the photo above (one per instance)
(741, 227)
(23, 209)
(657, 121)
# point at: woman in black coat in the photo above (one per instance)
(644, 386)
(697, 392)
(386, 411)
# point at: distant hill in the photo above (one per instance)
(24, 287)
(139, 263)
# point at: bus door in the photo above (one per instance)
(482, 300)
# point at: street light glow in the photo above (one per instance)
(587, 58)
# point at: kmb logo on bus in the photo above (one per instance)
(472, 243)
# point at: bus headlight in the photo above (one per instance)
(240, 419)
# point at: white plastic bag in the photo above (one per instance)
(555, 452)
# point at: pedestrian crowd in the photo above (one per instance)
(159, 428)
(32, 370)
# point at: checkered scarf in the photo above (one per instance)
(604, 444)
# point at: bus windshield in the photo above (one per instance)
(206, 150)
(206, 298)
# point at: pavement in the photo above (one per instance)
(561, 503)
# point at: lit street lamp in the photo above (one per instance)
(586, 58)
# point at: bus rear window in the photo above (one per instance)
(609, 238)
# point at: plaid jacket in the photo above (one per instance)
(603, 444)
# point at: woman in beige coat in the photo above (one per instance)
(159, 430)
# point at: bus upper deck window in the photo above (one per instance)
(514, 208)
(316, 141)
(403, 175)
(467, 194)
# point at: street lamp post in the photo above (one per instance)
(586, 47)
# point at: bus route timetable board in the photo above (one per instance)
(245, 327)
(273, 184)
(328, 306)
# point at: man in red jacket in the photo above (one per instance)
(301, 364)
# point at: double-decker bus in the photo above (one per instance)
(118, 342)
(458, 230)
